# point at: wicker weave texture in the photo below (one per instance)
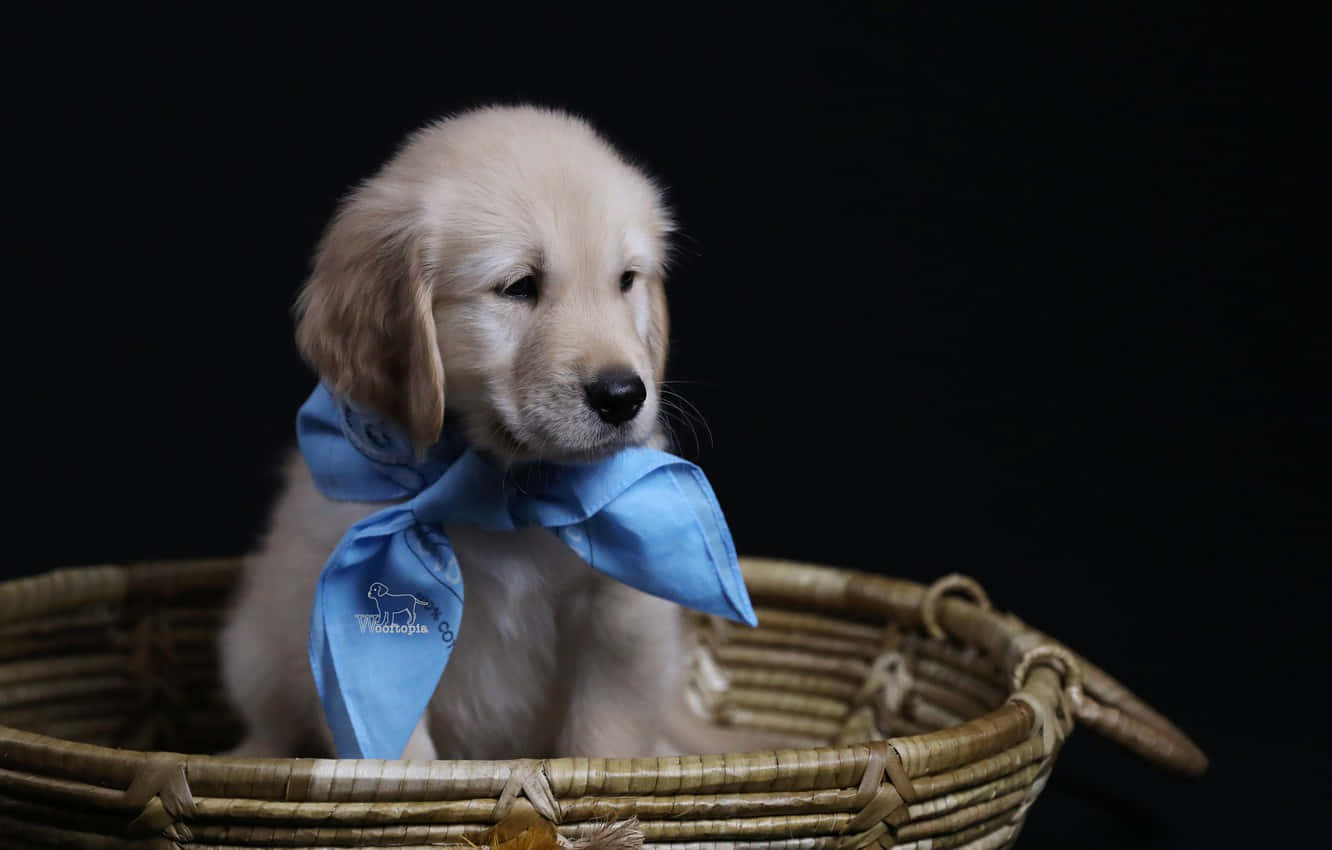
(917, 718)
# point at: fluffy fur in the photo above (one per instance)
(406, 307)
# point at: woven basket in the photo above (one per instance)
(974, 704)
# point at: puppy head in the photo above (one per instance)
(377, 590)
(513, 256)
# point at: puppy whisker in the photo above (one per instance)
(689, 413)
(693, 382)
(670, 414)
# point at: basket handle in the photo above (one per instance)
(1110, 709)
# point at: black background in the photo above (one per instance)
(1021, 295)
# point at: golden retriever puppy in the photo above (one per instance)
(505, 265)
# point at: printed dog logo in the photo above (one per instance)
(388, 606)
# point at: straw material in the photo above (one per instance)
(918, 718)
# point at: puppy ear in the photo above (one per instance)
(365, 318)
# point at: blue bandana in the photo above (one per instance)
(389, 602)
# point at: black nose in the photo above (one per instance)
(616, 395)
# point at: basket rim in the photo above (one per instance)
(1050, 688)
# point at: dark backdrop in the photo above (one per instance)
(1014, 295)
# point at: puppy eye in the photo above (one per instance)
(522, 289)
(627, 281)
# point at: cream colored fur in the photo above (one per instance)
(405, 309)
